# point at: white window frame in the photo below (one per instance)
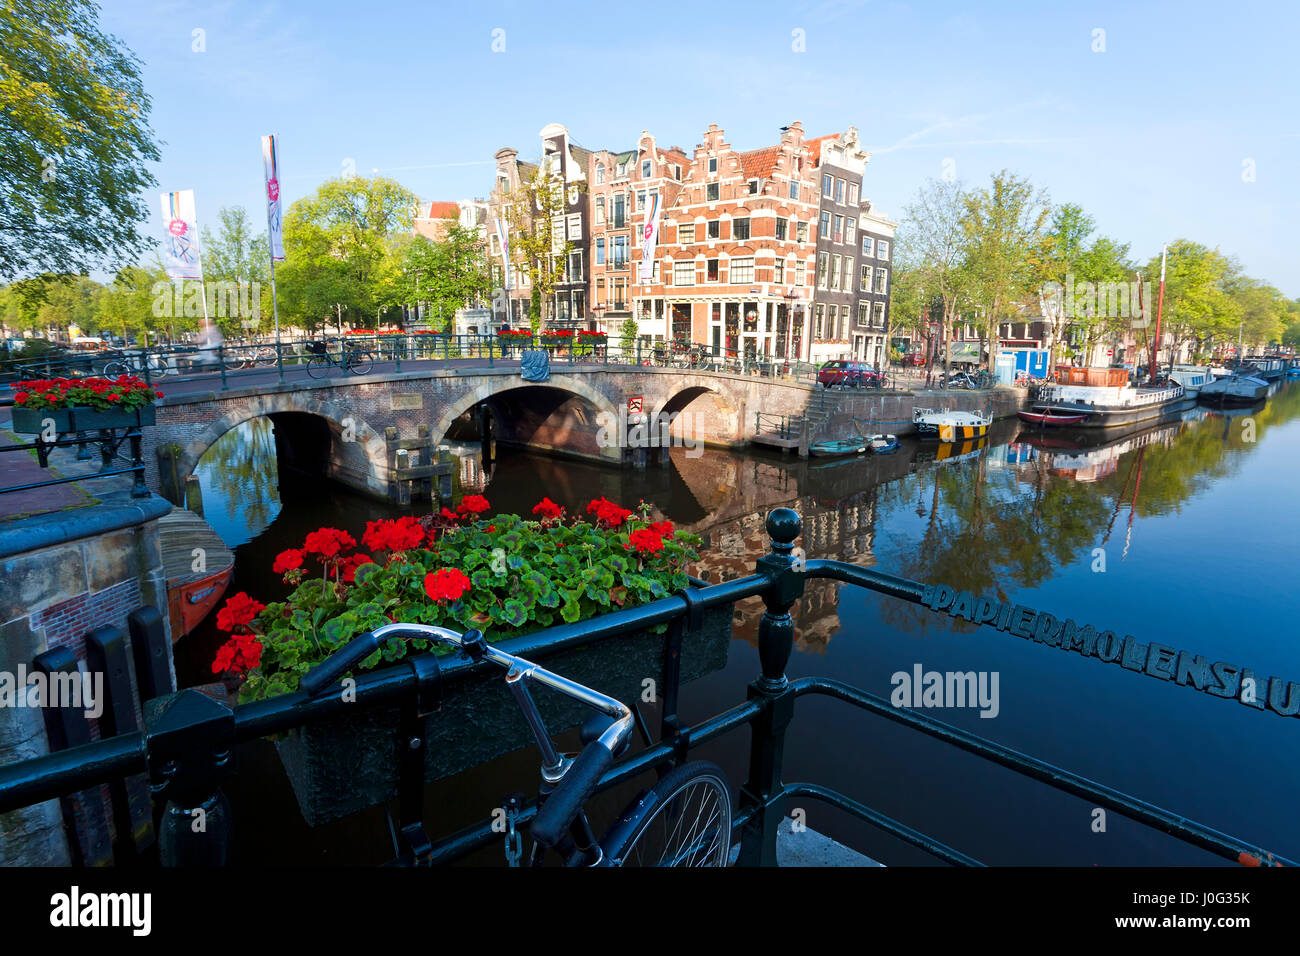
(684, 269)
(744, 265)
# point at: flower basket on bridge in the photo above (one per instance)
(440, 571)
(83, 404)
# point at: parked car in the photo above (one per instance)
(844, 374)
(914, 358)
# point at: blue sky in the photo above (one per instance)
(1156, 136)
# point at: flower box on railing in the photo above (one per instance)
(347, 763)
(30, 421)
(83, 404)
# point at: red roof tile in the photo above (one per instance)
(443, 210)
(759, 163)
(815, 146)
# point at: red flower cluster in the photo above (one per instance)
(126, 391)
(446, 584)
(586, 333)
(239, 655)
(514, 334)
(287, 561)
(238, 613)
(664, 529)
(608, 514)
(349, 566)
(645, 541)
(548, 510)
(328, 543)
(473, 505)
(401, 534)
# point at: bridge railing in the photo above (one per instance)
(188, 746)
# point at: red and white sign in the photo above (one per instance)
(634, 404)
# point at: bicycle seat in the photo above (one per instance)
(597, 724)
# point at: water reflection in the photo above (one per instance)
(237, 475)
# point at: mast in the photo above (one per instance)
(1160, 307)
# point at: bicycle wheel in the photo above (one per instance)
(265, 357)
(319, 366)
(360, 362)
(117, 369)
(683, 820)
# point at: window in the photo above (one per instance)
(621, 170)
(575, 266)
(779, 271)
(862, 313)
(780, 228)
(575, 226)
(880, 315)
(711, 270)
(600, 210)
(753, 187)
(711, 192)
(742, 271)
(620, 212)
(600, 291)
(853, 194)
(677, 171)
(839, 228)
(573, 195)
(799, 272)
(713, 164)
(686, 234)
(740, 228)
(620, 251)
(882, 279)
(827, 184)
(836, 262)
(839, 190)
(832, 321)
(683, 273)
(882, 249)
(801, 231)
(822, 261)
(640, 199)
(819, 314)
(864, 282)
(600, 173)
(868, 246)
(825, 225)
(645, 168)
(850, 230)
(600, 252)
(495, 243)
(620, 293)
(794, 189)
(714, 231)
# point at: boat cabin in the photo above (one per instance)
(1092, 377)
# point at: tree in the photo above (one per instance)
(536, 215)
(933, 239)
(140, 300)
(338, 248)
(1262, 309)
(446, 275)
(76, 141)
(627, 336)
(1197, 305)
(1004, 225)
(236, 265)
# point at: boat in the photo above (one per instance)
(838, 447)
(1263, 366)
(1236, 389)
(1105, 398)
(947, 425)
(882, 444)
(1192, 377)
(198, 568)
(1048, 418)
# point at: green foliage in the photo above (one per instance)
(445, 275)
(552, 572)
(75, 138)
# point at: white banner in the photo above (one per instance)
(181, 246)
(503, 236)
(274, 213)
(649, 236)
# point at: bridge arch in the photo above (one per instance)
(497, 388)
(717, 422)
(354, 443)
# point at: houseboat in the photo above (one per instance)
(1103, 397)
(1268, 368)
(1236, 389)
(948, 426)
(1192, 377)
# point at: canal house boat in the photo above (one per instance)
(1235, 389)
(949, 426)
(1192, 377)
(1104, 398)
(197, 565)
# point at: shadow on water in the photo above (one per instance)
(1179, 532)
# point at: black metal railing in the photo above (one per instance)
(189, 738)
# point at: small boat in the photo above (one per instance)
(882, 444)
(1236, 389)
(948, 425)
(197, 565)
(1051, 419)
(1105, 398)
(1191, 377)
(838, 447)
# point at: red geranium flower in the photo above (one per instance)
(238, 612)
(328, 542)
(287, 561)
(238, 655)
(351, 564)
(608, 514)
(548, 509)
(401, 534)
(664, 529)
(446, 584)
(645, 541)
(473, 505)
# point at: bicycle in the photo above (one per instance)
(682, 820)
(134, 363)
(356, 360)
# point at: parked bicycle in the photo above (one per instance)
(135, 363)
(351, 358)
(251, 356)
(682, 820)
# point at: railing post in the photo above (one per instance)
(221, 362)
(191, 740)
(762, 790)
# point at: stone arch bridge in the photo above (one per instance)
(348, 428)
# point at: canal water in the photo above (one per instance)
(1184, 533)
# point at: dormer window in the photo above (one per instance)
(600, 173)
(646, 168)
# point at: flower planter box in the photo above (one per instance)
(28, 421)
(345, 764)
